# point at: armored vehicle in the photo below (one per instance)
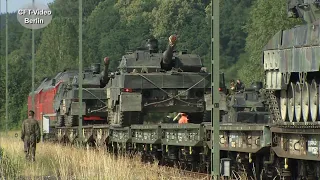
(247, 106)
(150, 81)
(66, 102)
(291, 64)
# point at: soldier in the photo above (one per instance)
(30, 135)
(239, 85)
(183, 118)
(232, 87)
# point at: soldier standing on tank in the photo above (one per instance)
(30, 135)
(239, 85)
(232, 87)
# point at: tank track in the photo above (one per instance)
(272, 105)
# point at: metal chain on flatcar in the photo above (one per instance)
(272, 104)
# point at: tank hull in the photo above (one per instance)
(157, 92)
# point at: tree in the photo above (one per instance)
(58, 48)
(261, 27)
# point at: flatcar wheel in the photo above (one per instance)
(314, 101)
(283, 104)
(291, 102)
(298, 102)
(305, 101)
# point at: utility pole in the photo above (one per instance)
(80, 78)
(215, 82)
(32, 89)
(7, 68)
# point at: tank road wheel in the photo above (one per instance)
(283, 104)
(305, 101)
(291, 102)
(71, 120)
(298, 101)
(314, 101)
(60, 120)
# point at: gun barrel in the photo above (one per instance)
(105, 78)
(167, 55)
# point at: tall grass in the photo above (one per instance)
(68, 162)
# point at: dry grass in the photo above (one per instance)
(72, 163)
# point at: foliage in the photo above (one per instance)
(261, 27)
(58, 49)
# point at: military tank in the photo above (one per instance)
(247, 106)
(291, 64)
(66, 102)
(148, 80)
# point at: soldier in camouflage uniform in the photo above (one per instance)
(232, 87)
(30, 135)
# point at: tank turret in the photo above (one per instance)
(166, 62)
(149, 59)
(92, 78)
